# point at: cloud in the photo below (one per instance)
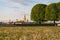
(22, 2)
(11, 4)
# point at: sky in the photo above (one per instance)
(15, 9)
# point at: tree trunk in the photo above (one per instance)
(55, 23)
(40, 22)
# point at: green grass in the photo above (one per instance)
(30, 33)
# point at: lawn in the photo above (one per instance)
(30, 33)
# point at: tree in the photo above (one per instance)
(51, 12)
(38, 13)
(58, 7)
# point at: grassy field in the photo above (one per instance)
(29, 33)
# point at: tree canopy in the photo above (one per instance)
(38, 12)
(51, 12)
(45, 12)
(58, 7)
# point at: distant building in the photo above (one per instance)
(24, 21)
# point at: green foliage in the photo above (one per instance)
(42, 12)
(37, 12)
(58, 6)
(51, 12)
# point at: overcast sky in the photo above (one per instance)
(15, 9)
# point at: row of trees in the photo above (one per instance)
(41, 12)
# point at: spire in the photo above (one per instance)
(24, 17)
